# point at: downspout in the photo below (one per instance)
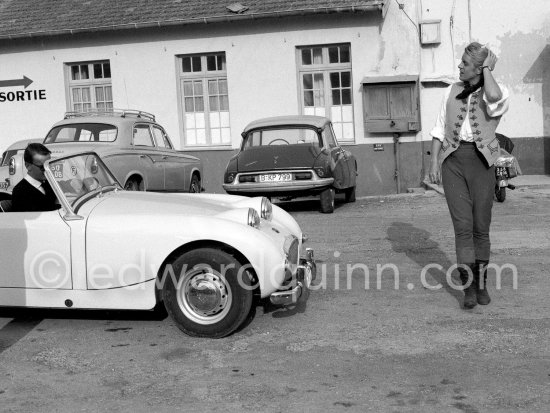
(419, 12)
(397, 154)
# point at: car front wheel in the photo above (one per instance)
(327, 201)
(207, 292)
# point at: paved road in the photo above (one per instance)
(408, 348)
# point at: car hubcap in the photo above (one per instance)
(203, 296)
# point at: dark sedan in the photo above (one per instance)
(292, 156)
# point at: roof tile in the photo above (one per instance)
(23, 18)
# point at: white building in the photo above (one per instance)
(377, 68)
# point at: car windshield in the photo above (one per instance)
(281, 136)
(82, 132)
(81, 174)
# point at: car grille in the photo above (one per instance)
(292, 247)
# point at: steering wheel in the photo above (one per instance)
(279, 139)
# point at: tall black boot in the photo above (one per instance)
(480, 274)
(468, 279)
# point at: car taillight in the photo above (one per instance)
(320, 172)
(12, 166)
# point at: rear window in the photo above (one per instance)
(82, 132)
(6, 157)
(281, 136)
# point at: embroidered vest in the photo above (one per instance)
(483, 126)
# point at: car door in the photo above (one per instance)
(176, 166)
(339, 158)
(35, 252)
(150, 162)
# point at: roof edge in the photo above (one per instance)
(375, 6)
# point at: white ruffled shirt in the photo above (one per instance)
(494, 109)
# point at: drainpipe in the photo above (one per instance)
(419, 18)
(396, 151)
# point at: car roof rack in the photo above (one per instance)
(112, 112)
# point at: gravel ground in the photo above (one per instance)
(349, 348)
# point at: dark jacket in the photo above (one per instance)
(27, 198)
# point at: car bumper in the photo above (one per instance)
(297, 290)
(272, 187)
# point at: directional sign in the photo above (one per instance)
(16, 82)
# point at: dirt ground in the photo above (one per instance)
(348, 349)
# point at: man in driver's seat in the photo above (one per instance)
(34, 193)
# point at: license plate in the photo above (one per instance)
(4, 185)
(275, 177)
(57, 171)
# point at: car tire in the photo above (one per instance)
(500, 193)
(350, 194)
(226, 287)
(133, 185)
(195, 185)
(327, 201)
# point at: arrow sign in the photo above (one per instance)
(16, 82)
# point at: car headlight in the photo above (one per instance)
(253, 218)
(266, 209)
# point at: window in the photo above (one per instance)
(82, 132)
(325, 86)
(328, 137)
(90, 86)
(161, 138)
(6, 156)
(142, 136)
(391, 104)
(205, 100)
(283, 136)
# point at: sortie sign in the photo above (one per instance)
(20, 95)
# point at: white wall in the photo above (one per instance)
(517, 32)
(261, 63)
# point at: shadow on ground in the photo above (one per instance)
(158, 314)
(417, 245)
(305, 204)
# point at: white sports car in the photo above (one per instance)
(207, 257)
